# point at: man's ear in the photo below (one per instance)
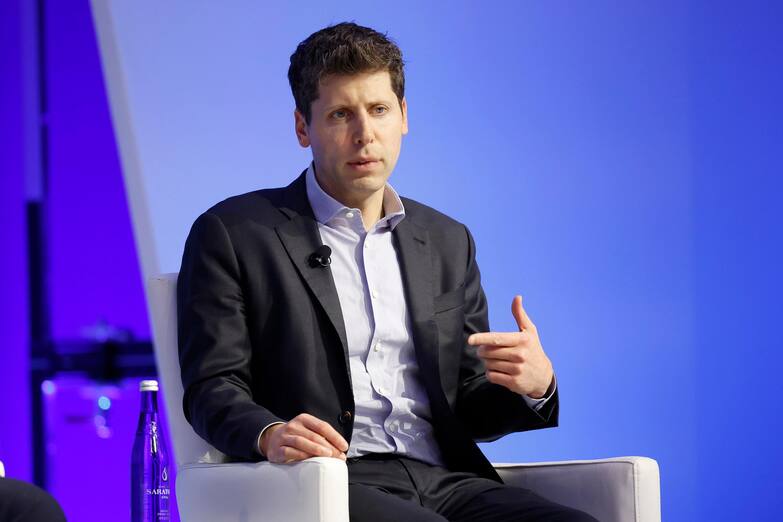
(404, 109)
(300, 126)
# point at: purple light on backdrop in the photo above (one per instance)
(15, 429)
(93, 273)
(94, 279)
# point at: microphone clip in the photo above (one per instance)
(321, 258)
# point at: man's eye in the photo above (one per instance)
(339, 115)
(380, 109)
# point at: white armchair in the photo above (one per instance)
(208, 488)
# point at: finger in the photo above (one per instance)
(303, 431)
(308, 446)
(288, 454)
(523, 341)
(326, 430)
(302, 425)
(506, 367)
(495, 339)
(518, 311)
(513, 355)
(500, 378)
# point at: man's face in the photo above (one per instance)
(355, 134)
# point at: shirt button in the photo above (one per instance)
(381, 390)
(374, 294)
(349, 215)
(377, 346)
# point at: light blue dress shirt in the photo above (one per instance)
(392, 408)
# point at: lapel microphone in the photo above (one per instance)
(321, 257)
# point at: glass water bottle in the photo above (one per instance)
(150, 491)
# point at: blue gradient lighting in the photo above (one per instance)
(617, 163)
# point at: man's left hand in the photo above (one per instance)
(516, 360)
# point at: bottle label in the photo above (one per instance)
(153, 497)
(157, 491)
(162, 488)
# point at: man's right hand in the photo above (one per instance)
(302, 437)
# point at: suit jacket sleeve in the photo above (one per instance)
(489, 410)
(214, 346)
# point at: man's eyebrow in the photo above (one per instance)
(336, 106)
(349, 105)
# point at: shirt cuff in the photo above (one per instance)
(258, 440)
(537, 404)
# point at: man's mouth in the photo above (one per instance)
(364, 163)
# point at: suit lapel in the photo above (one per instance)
(300, 238)
(413, 247)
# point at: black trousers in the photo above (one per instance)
(390, 488)
(23, 502)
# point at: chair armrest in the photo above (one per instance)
(619, 489)
(313, 490)
(2, 469)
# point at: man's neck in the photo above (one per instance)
(371, 206)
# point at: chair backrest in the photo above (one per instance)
(162, 299)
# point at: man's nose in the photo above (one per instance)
(364, 132)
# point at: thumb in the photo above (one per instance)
(523, 321)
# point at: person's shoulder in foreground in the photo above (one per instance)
(25, 502)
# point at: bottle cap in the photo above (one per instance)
(148, 386)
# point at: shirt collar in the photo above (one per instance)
(326, 208)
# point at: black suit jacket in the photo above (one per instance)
(262, 337)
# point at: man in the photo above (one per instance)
(375, 348)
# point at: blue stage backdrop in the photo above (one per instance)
(618, 163)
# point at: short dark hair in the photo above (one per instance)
(345, 48)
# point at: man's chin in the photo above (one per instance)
(374, 178)
(369, 184)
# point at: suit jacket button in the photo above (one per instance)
(345, 417)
